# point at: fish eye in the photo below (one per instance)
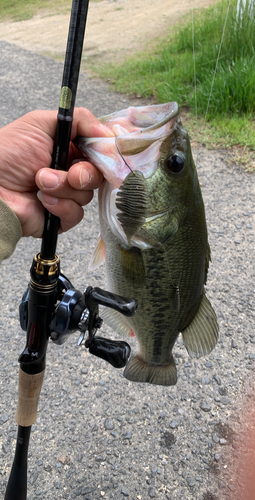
(175, 164)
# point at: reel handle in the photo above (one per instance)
(123, 305)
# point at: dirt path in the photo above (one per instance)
(115, 28)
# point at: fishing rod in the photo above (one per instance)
(51, 307)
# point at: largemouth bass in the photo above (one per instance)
(153, 237)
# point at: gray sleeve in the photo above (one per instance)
(10, 231)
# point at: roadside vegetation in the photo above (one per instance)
(207, 66)
(218, 90)
(21, 10)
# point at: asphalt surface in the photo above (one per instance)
(98, 435)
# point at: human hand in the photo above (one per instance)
(26, 147)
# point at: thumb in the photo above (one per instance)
(87, 125)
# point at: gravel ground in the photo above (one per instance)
(98, 435)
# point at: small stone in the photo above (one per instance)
(208, 364)
(4, 418)
(151, 492)
(128, 435)
(124, 492)
(191, 481)
(48, 468)
(223, 441)
(216, 439)
(217, 379)
(252, 356)
(174, 424)
(64, 459)
(217, 456)
(86, 490)
(4, 448)
(231, 487)
(205, 406)
(234, 344)
(84, 371)
(199, 479)
(33, 478)
(223, 391)
(224, 400)
(99, 393)
(109, 425)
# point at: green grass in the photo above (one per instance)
(21, 10)
(166, 72)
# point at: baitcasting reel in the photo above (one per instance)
(80, 311)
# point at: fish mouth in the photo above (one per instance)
(138, 135)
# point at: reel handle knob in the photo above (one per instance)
(113, 351)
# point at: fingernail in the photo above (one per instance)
(48, 180)
(46, 199)
(107, 131)
(84, 177)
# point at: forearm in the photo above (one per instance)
(10, 231)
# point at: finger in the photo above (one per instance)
(69, 212)
(55, 183)
(83, 175)
(86, 124)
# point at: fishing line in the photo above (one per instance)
(216, 66)
(122, 155)
(194, 58)
(217, 60)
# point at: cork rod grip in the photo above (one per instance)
(29, 392)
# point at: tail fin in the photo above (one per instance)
(138, 370)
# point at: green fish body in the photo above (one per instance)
(154, 238)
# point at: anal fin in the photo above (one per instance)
(201, 336)
(138, 370)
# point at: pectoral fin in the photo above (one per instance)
(98, 255)
(201, 336)
(116, 321)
